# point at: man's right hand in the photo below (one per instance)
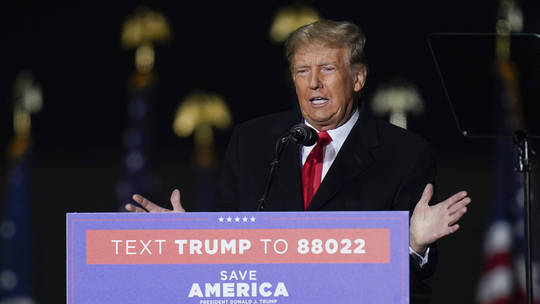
(148, 206)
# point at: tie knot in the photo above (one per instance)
(324, 138)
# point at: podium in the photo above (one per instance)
(238, 258)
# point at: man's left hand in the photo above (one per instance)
(430, 223)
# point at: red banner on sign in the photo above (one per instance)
(238, 246)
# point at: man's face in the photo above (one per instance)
(326, 85)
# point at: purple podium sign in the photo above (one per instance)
(238, 258)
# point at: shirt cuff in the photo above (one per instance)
(421, 260)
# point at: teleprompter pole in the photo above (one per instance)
(522, 144)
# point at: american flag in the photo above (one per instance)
(503, 278)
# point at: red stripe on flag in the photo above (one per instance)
(504, 300)
(497, 260)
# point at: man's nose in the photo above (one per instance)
(314, 80)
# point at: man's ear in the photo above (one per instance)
(360, 75)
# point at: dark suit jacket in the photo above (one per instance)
(379, 167)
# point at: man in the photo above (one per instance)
(358, 164)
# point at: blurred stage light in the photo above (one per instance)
(510, 17)
(145, 26)
(397, 99)
(198, 113)
(27, 93)
(27, 100)
(510, 20)
(290, 18)
(141, 31)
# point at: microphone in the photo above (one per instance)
(301, 134)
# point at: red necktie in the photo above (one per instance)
(312, 169)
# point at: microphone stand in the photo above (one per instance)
(281, 143)
(522, 145)
(299, 134)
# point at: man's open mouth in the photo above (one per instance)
(318, 100)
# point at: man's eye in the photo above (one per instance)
(328, 68)
(301, 71)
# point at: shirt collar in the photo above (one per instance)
(340, 133)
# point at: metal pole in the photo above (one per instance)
(524, 168)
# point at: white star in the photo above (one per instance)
(252, 219)
(244, 219)
(237, 219)
(220, 219)
(229, 219)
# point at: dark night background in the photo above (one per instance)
(75, 53)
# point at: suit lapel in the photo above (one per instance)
(352, 159)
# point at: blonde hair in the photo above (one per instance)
(332, 34)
